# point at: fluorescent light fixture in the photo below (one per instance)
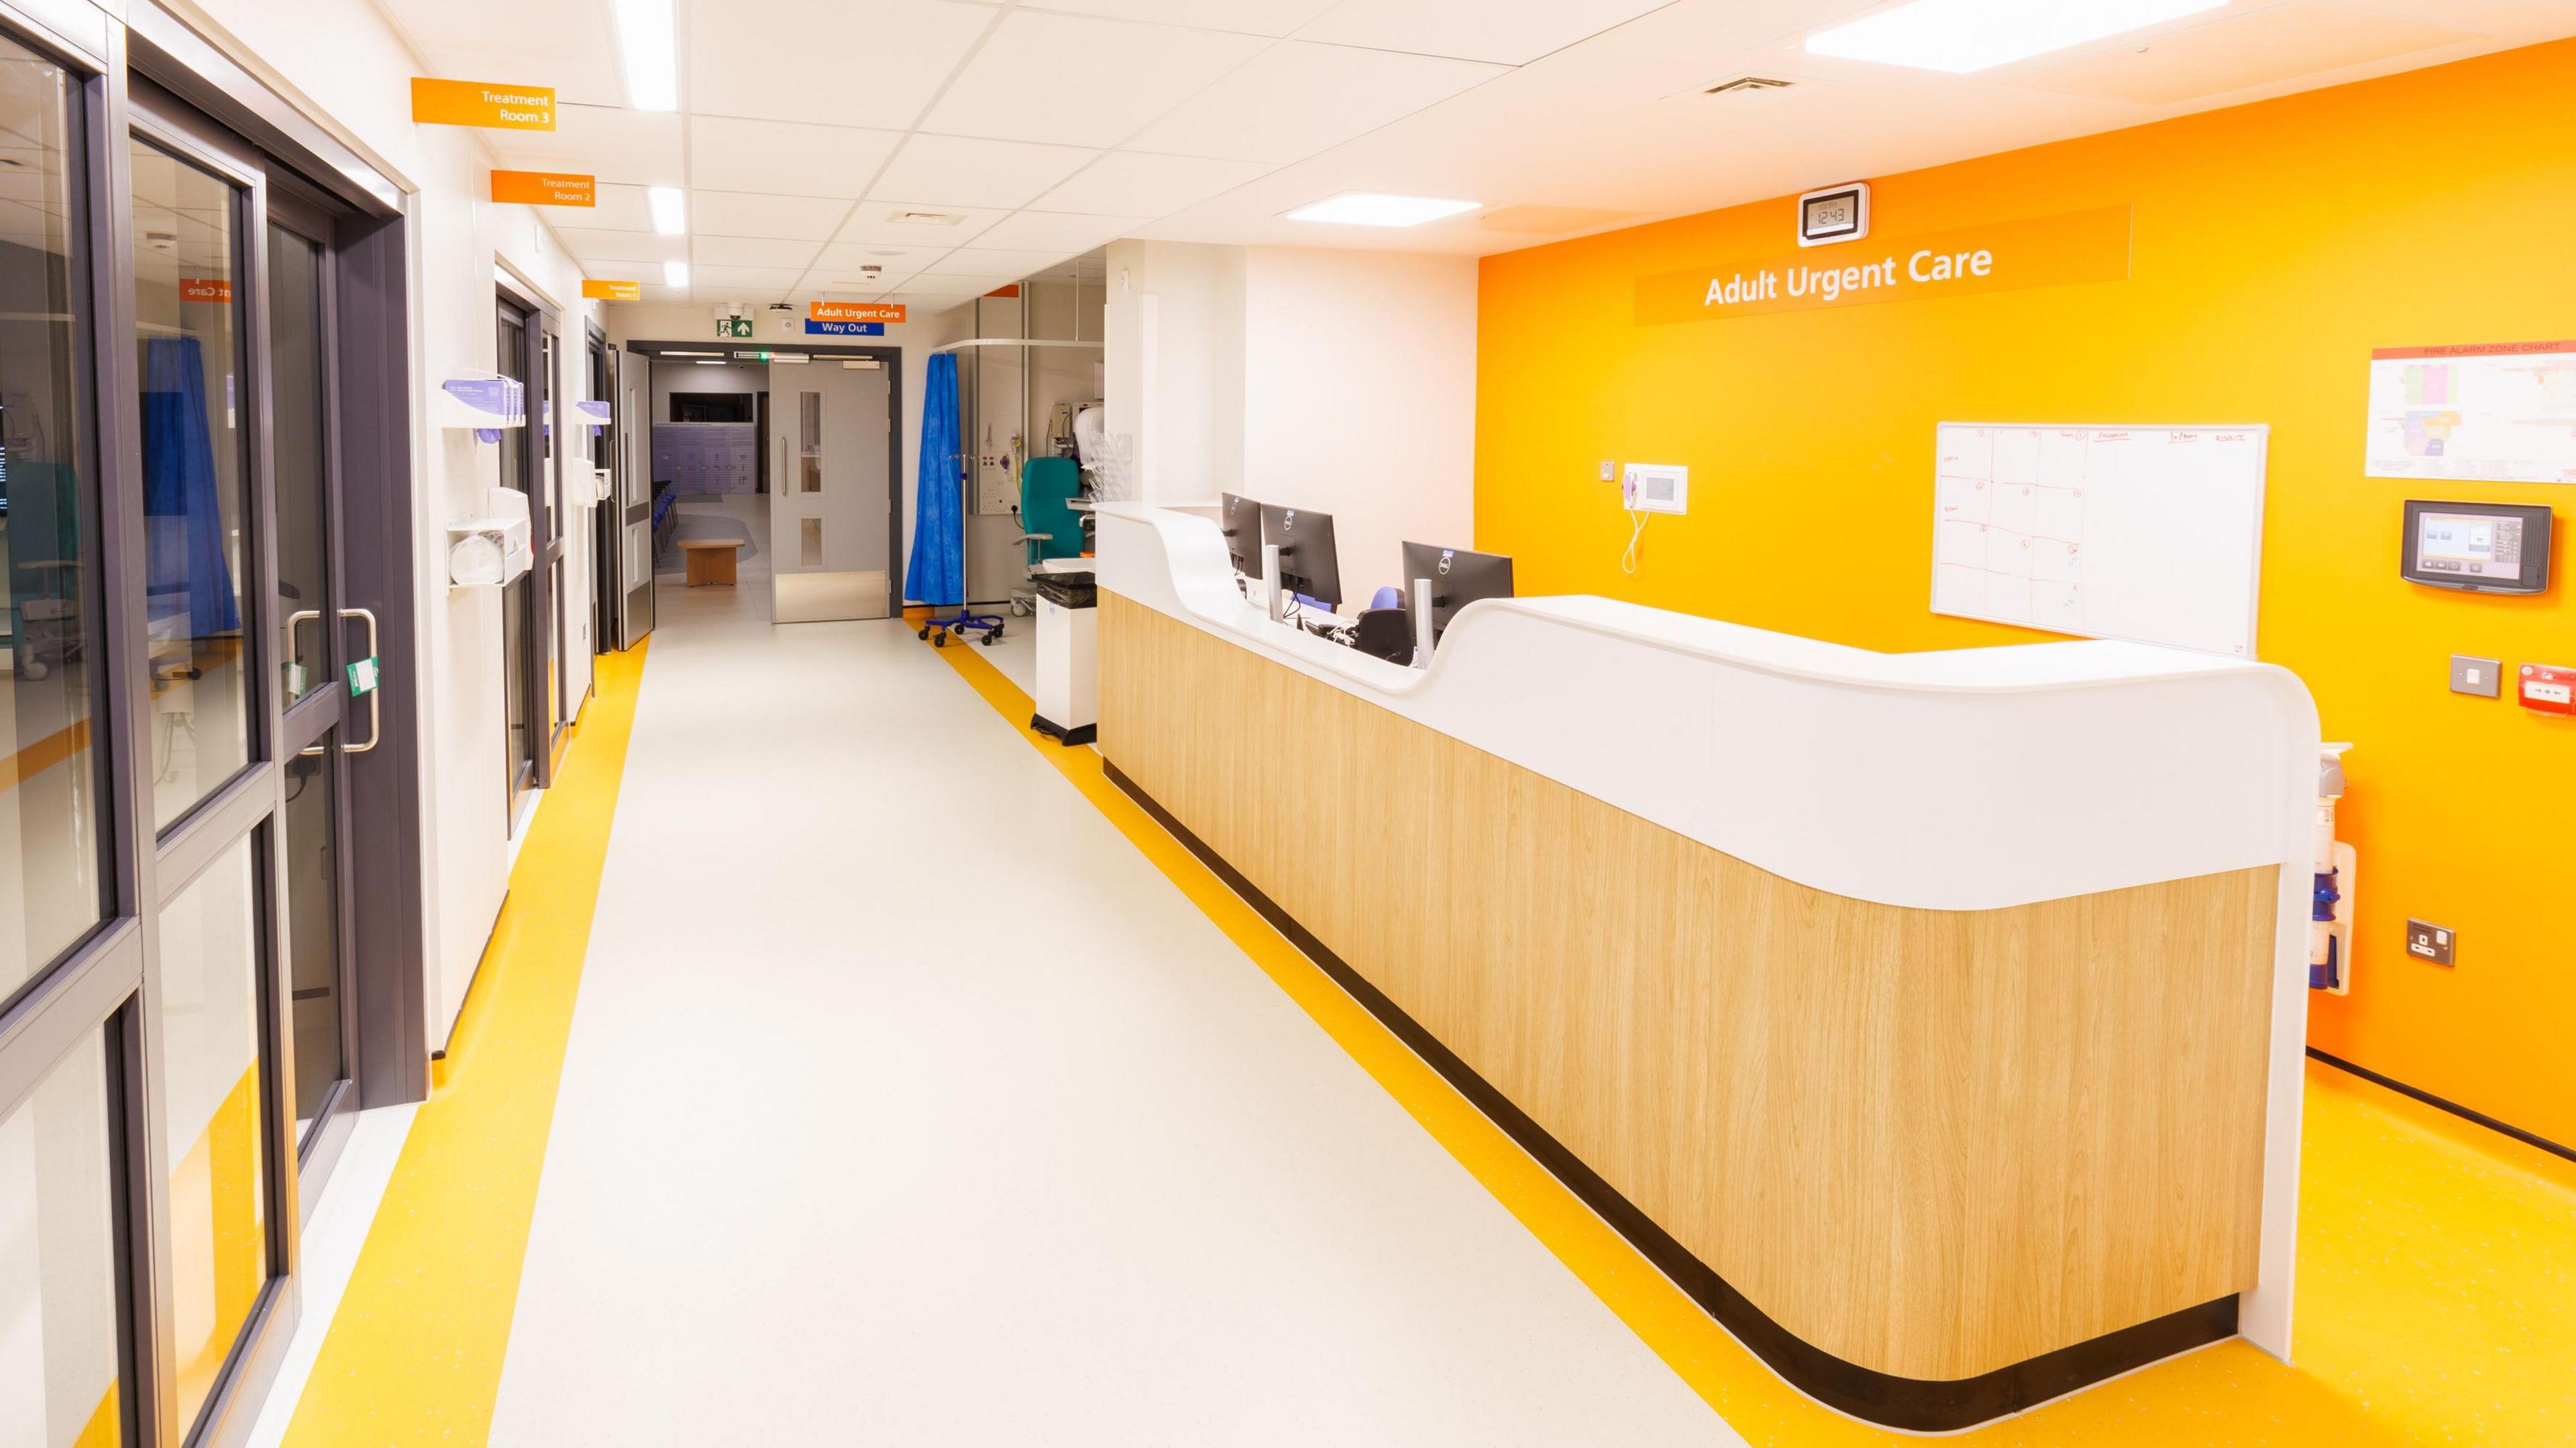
(718, 363)
(650, 45)
(670, 209)
(675, 274)
(1960, 36)
(1371, 208)
(693, 354)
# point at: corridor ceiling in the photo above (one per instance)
(808, 129)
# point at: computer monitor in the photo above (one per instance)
(1307, 562)
(1458, 578)
(1242, 524)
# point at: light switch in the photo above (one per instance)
(1609, 471)
(2473, 675)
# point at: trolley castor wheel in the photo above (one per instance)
(940, 642)
(988, 638)
(922, 633)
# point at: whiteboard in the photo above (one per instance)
(2150, 534)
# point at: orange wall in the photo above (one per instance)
(2276, 245)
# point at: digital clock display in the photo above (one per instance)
(1836, 213)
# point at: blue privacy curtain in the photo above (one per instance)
(183, 517)
(937, 574)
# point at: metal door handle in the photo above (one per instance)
(375, 696)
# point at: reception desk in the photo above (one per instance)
(1933, 1019)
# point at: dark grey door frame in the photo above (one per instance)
(545, 538)
(889, 358)
(149, 77)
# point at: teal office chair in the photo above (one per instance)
(1049, 527)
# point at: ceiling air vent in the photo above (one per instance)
(1746, 85)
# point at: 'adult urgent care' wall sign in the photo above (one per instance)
(2043, 251)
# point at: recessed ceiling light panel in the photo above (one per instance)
(670, 209)
(649, 44)
(1961, 36)
(1373, 208)
(675, 274)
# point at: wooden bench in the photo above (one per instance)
(711, 560)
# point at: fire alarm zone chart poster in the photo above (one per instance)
(2504, 413)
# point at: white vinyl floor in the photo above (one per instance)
(907, 1104)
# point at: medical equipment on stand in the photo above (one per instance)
(2337, 870)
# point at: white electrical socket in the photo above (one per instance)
(1656, 488)
(1609, 471)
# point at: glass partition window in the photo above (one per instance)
(295, 377)
(210, 1012)
(52, 887)
(809, 442)
(58, 1373)
(187, 317)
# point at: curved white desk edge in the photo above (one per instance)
(1969, 779)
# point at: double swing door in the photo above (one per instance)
(178, 1038)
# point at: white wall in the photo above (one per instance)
(1174, 326)
(355, 72)
(1338, 381)
(1359, 399)
(916, 335)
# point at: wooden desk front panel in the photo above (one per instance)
(1931, 1143)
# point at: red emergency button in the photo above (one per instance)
(2548, 689)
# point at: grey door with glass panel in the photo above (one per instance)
(830, 490)
(635, 497)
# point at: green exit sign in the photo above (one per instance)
(733, 326)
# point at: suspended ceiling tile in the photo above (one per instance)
(1250, 17)
(1056, 232)
(1296, 99)
(1551, 220)
(583, 77)
(951, 284)
(873, 223)
(748, 213)
(977, 261)
(752, 251)
(843, 257)
(764, 281)
(1133, 183)
(787, 158)
(1016, 86)
(839, 62)
(571, 47)
(2260, 47)
(962, 171)
(620, 208)
(636, 246)
(639, 148)
(620, 271)
(1506, 32)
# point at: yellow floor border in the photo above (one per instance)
(414, 1354)
(2230, 1395)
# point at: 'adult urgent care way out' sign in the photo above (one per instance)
(2043, 251)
